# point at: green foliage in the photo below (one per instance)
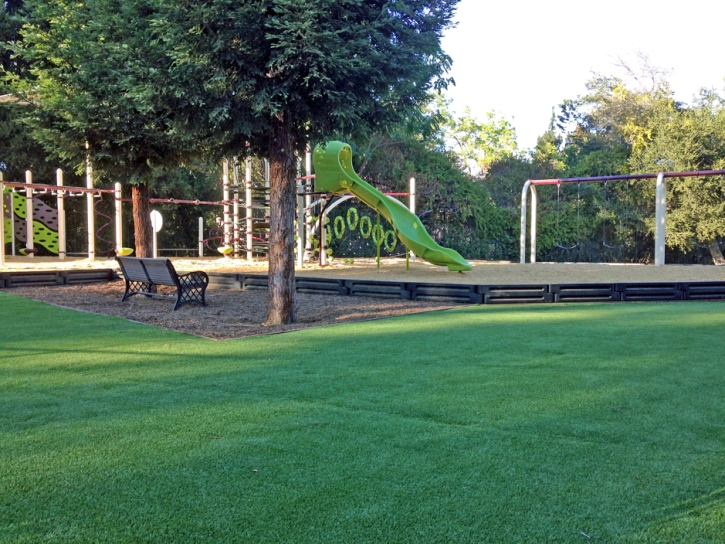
(319, 67)
(690, 138)
(476, 144)
(97, 76)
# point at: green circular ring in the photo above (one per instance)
(378, 234)
(339, 232)
(393, 243)
(363, 220)
(350, 212)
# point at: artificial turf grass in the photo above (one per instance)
(483, 424)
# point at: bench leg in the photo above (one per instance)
(192, 288)
(136, 288)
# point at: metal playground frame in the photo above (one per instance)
(660, 205)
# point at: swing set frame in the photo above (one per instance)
(660, 205)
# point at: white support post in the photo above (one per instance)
(29, 241)
(412, 207)
(522, 238)
(91, 221)
(13, 249)
(308, 204)
(2, 221)
(225, 197)
(660, 219)
(534, 203)
(323, 234)
(248, 207)
(235, 222)
(60, 197)
(300, 224)
(119, 217)
(201, 237)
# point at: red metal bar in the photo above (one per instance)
(175, 201)
(55, 188)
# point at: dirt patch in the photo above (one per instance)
(228, 314)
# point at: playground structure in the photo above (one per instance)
(18, 216)
(660, 205)
(335, 174)
(40, 224)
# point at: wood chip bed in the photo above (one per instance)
(228, 314)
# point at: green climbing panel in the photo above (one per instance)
(42, 234)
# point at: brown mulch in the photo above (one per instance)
(228, 313)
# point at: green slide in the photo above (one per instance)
(334, 174)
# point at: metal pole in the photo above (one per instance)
(308, 204)
(412, 208)
(201, 237)
(236, 208)
(61, 215)
(660, 219)
(2, 221)
(250, 218)
(534, 203)
(156, 245)
(323, 234)
(29, 242)
(119, 218)
(300, 217)
(522, 238)
(11, 211)
(225, 197)
(91, 221)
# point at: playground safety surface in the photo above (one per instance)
(232, 313)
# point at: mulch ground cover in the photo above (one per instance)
(228, 313)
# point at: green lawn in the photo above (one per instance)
(483, 424)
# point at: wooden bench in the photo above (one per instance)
(143, 275)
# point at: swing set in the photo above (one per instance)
(660, 207)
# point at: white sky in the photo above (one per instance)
(521, 58)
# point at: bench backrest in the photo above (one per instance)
(158, 271)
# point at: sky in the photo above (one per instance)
(521, 58)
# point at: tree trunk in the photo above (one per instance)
(282, 300)
(716, 253)
(142, 229)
